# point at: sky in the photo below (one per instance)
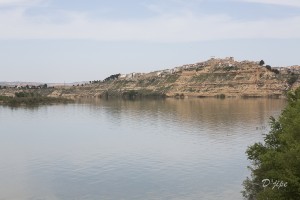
(82, 40)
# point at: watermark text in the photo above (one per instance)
(274, 184)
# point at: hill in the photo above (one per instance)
(211, 78)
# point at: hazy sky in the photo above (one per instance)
(82, 40)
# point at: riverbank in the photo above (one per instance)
(103, 92)
(31, 99)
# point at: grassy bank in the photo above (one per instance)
(31, 99)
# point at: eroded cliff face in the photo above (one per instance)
(212, 78)
(230, 78)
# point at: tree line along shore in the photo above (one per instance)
(32, 99)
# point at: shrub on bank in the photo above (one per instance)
(275, 170)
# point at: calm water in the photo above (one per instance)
(151, 149)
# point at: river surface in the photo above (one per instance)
(147, 149)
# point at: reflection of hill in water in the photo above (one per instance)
(158, 149)
(205, 114)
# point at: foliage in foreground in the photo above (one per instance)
(275, 170)
(31, 99)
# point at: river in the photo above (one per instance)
(143, 149)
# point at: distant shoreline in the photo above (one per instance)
(31, 99)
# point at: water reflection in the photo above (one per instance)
(150, 149)
(210, 113)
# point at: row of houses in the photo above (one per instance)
(159, 73)
(228, 62)
(44, 86)
(287, 70)
(164, 72)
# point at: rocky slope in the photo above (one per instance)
(212, 78)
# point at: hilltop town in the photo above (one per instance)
(212, 78)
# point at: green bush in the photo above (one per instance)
(276, 71)
(278, 158)
(268, 67)
(230, 68)
(292, 79)
(23, 94)
(261, 63)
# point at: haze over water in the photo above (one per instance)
(148, 149)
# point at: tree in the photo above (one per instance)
(277, 160)
(268, 67)
(112, 77)
(276, 71)
(261, 63)
(292, 79)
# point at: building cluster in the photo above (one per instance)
(295, 69)
(226, 62)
